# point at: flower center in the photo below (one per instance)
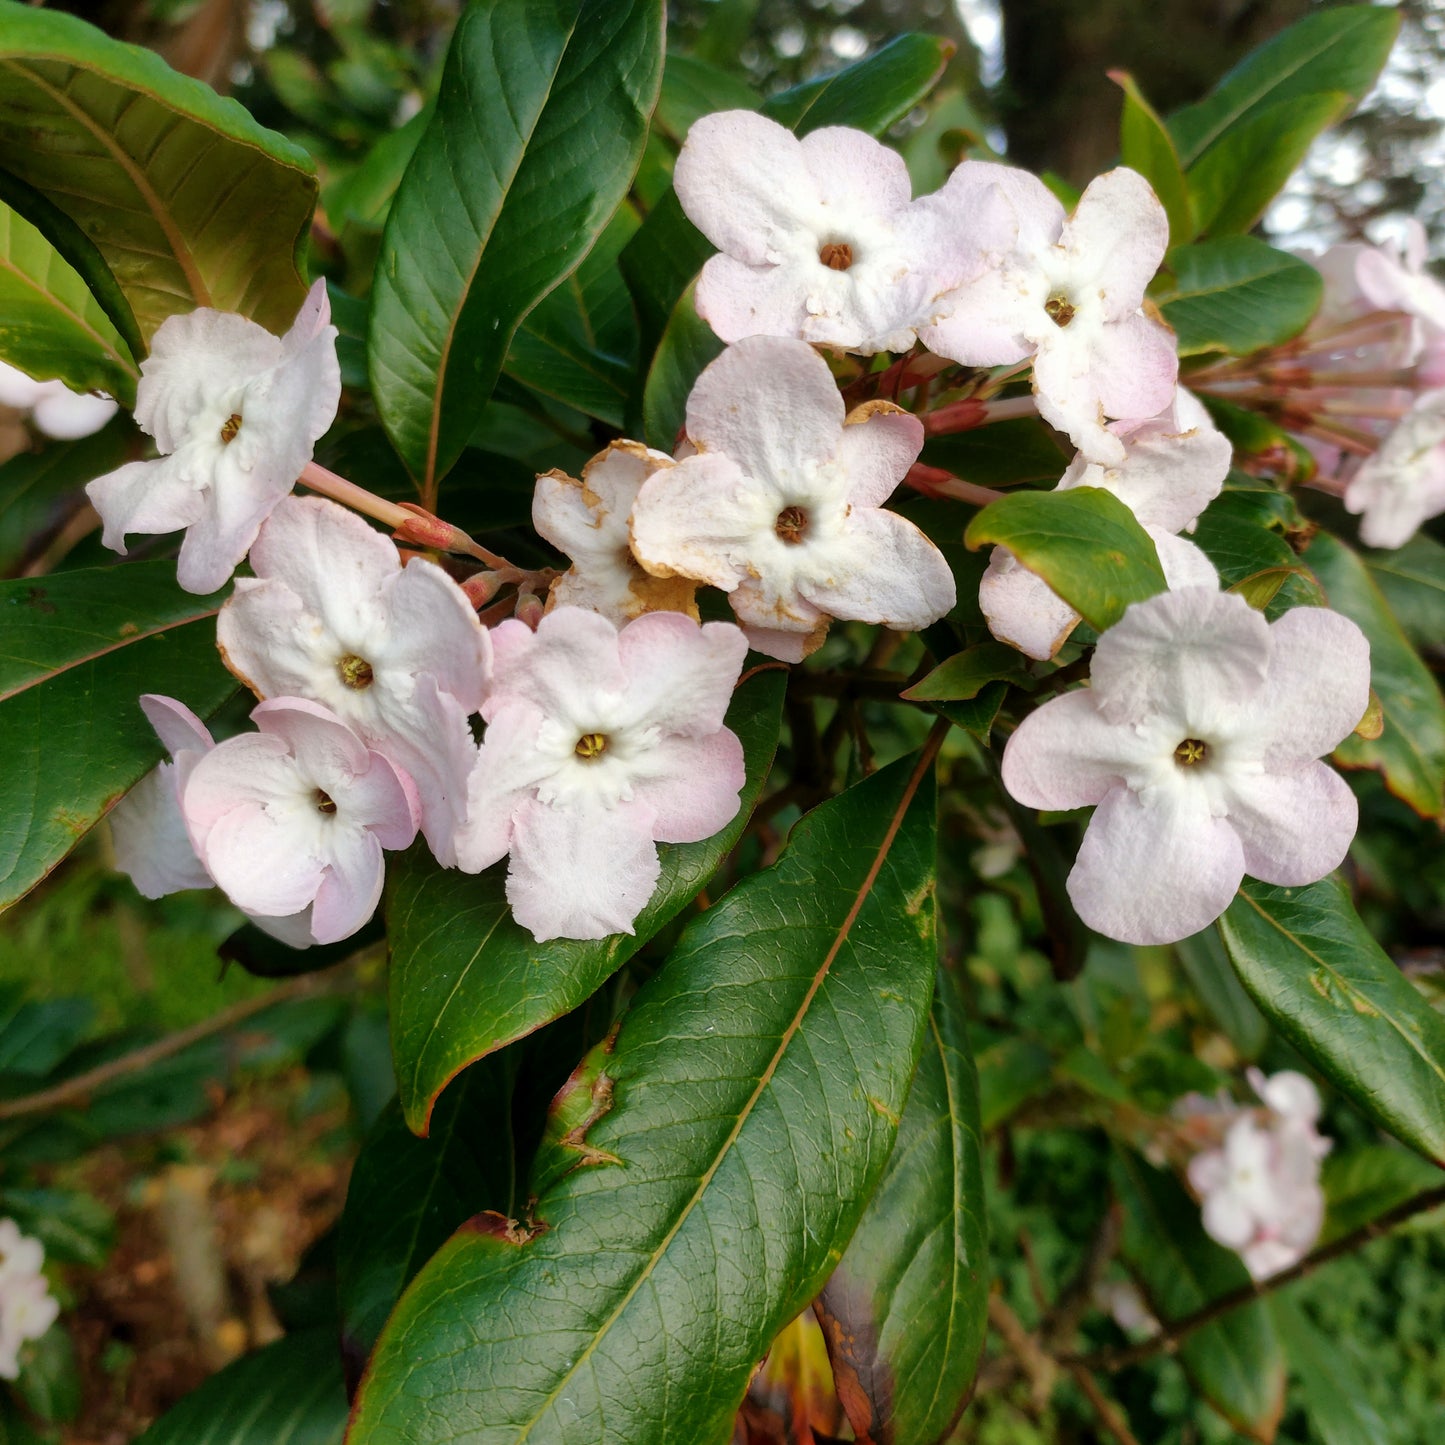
(323, 803)
(355, 672)
(230, 427)
(1190, 752)
(590, 746)
(791, 524)
(836, 255)
(1060, 310)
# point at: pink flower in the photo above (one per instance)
(1174, 465)
(600, 743)
(1402, 483)
(781, 506)
(820, 237)
(1197, 741)
(1395, 279)
(296, 816)
(1069, 293)
(235, 412)
(396, 652)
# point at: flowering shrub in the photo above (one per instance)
(969, 510)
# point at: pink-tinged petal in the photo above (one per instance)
(703, 519)
(194, 360)
(294, 929)
(1065, 755)
(178, 728)
(854, 173)
(351, 886)
(67, 416)
(151, 843)
(784, 645)
(744, 183)
(253, 855)
(1184, 564)
(1295, 827)
(1067, 396)
(761, 610)
(1208, 1171)
(249, 769)
(770, 404)
(1191, 654)
(739, 300)
(325, 749)
(691, 785)
(680, 676)
(217, 541)
(985, 322)
(1021, 609)
(581, 873)
(1288, 1093)
(434, 630)
(311, 320)
(145, 497)
(1155, 867)
(1134, 366)
(572, 655)
(298, 399)
(1038, 218)
(1118, 235)
(879, 443)
(1227, 1219)
(883, 569)
(508, 768)
(271, 642)
(1318, 689)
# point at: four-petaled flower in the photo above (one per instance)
(600, 744)
(820, 237)
(1070, 293)
(235, 412)
(1197, 741)
(781, 506)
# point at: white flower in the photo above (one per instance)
(27, 1308)
(1197, 741)
(1403, 483)
(396, 652)
(1395, 279)
(295, 816)
(1173, 466)
(235, 412)
(820, 238)
(1070, 293)
(56, 410)
(781, 506)
(588, 519)
(599, 744)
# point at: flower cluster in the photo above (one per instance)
(1260, 1185)
(27, 1308)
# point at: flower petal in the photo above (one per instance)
(691, 785)
(147, 498)
(1066, 755)
(739, 300)
(879, 443)
(1134, 367)
(572, 655)
(1118, 235)
(1021, 609)
(1184, 564)
(175, 725)
(350, 888)
(855, 173)
(986, 321)
(508, 767)
(1295, 827)
(150, 839)
(680, 676)
(581, 872)
(1155, 867)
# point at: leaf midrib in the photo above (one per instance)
(865, 888)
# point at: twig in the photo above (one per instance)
(1041, 1367)
(79, 1088)
(1172, 1333)
(1110, 1416)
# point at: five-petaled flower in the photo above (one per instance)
(1197, 741)
(235, 412)
(781, 506)
(1069, 292)
(599, 744)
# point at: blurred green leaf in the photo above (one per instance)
(1146, 146)
(687, 345)
(1084, 542)
(691, 88)
(49, 1382)
(1412, 580)
(1329, 988)
(699, 1181)
(1334, 1398)
(1207, 967)
(1365, 1182)
(1003, 453)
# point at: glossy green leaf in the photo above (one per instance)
(965, 674)
(1001, 454)
(39, 490)
(289, 1392)
(905, 1312)
(663, 259)
(687, 345)
(1335, 1400)
(1237, 294)
(1341, 48)
(467, 979)
(50, 325)
(1084, 542)
(1410, 751)
(1234, 1361)
(1146, 146)
(188, 201)
(1412, 581)
(1253, 559)
(76, 651)
(1241, 173)
(1320, 978)
(539, 126)
(578, 345)
(703, 1172)
(407, 1195)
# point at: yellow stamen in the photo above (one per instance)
(792, 522)
(1060, 310)
(324, 803)
(1190, 751)
(591, 745)
(355, 672)
(836, 255)
(230, 427)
